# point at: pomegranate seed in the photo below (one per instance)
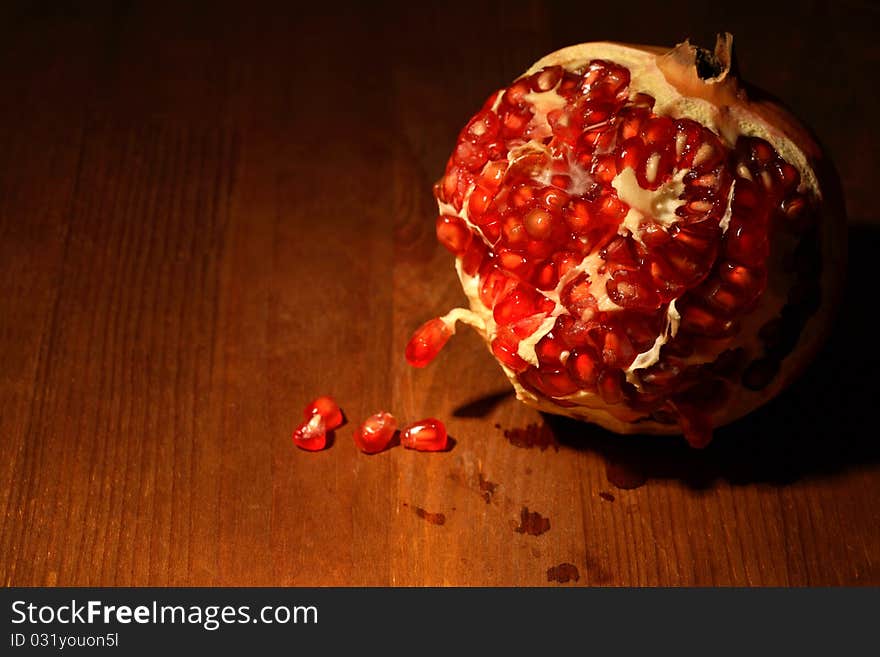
(453, 233)
(494, 285)
(493, 175)
(722, 298)
(566, 129)
(515, 263)
(427, 342)
(701, 321)
(520, 303)
(762, 152)
(375, 434)
(538, 224)
(514, 124)
(643, 101)
(550, 349)
(710, 154)
(793, 207)
(524, 327)
(574, 333)
(312, 435)
(473, 257)
(521, 195)
(696, 426)
(328, 409)
(483, 128)
(604, 168)
(553, 198)
(565, 261)
(584, 368)
(666, 278)
(707, 180)
(450, 185)
(546, 78)
(556, 382)
(612, 209)
(640, 331)
(540, 249)
(610, 385)
(747, 243)
(546, 277)
(655, 170)
(789, 176)
(621, 254)
(576, 297)
(658, 130)
(600, 138)
(604, 79)
(428, 435)
(631, 123)
(578, 217)
(490, 224)
(513, 232)
(479, 202)
(630, 290)
(630, 154)
(661, 375)
(618, 350)
(515, 94)
(561, 181)
(507, 353)
(470, 156)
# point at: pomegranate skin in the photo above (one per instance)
(654, 246)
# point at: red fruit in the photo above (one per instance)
(328, 409)
(375, 433)
(655, 243)
(311, 435)
(427, 342)
(428, 435)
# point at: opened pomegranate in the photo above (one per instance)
(645, 243)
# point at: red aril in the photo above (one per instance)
(375, 434)
(622, 218)
(427, 342)
(428, 435)
(453, 233)
(328, 409)
(311, 435)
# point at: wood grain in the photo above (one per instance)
(210, 213)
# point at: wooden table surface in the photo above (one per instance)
(210, 214)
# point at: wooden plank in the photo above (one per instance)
(208, 217)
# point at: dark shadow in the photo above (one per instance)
(821, 425)
(482, 406)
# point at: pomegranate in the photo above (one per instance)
(645, 242)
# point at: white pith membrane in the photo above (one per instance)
(660, 205)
